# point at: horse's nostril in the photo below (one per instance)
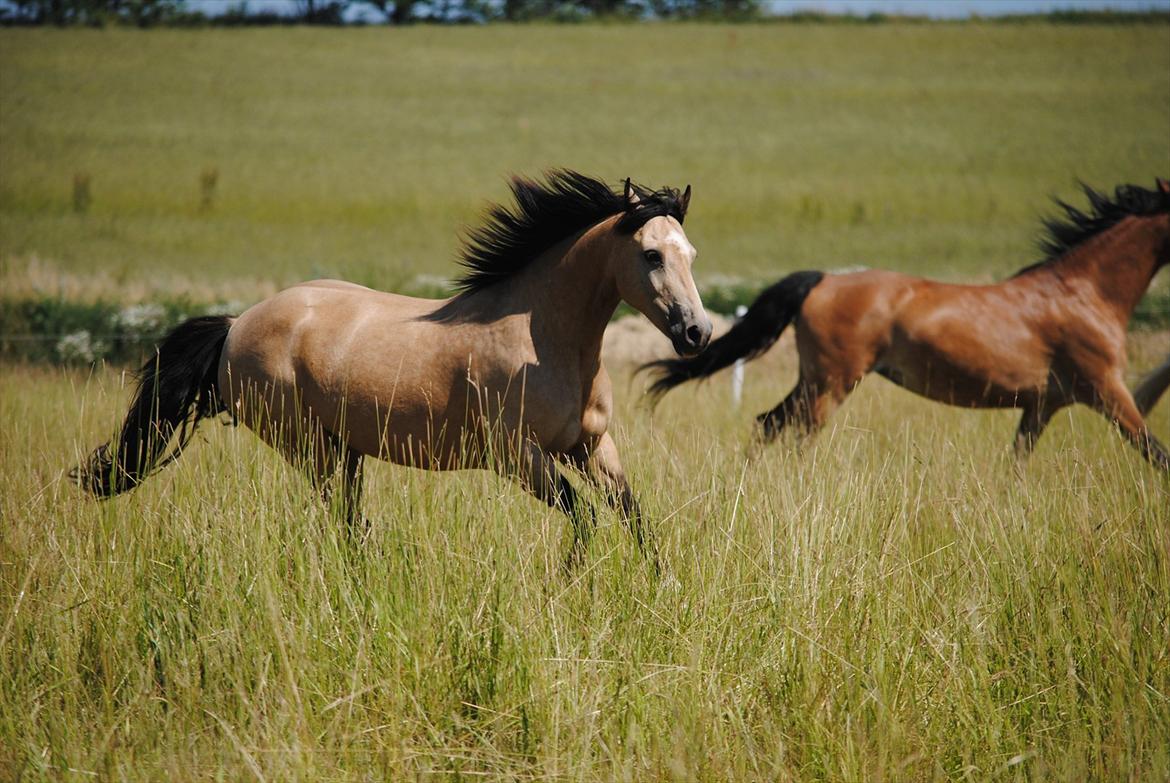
(694, 335)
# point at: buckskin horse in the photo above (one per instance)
(1050, 336)
(507, 374)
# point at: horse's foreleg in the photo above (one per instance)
(1114, 401)
(603, 468)
(538, 473)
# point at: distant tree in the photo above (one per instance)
(396, 11)
(321, 11)
(514, 10)
(603, 8)
(46, 11)
(20, 10)
(148, 13)
(704, 9)
(520, 11)
(97, 12)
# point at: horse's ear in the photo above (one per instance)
(630, 195)
(684, 201)
(1163, 184)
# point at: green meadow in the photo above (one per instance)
(361, 153)
(898, 600)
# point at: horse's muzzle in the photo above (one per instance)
(689, 333)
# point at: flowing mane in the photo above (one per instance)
(1063, 233)
(547, 212)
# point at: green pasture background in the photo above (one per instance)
(360, 153)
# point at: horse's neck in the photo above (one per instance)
(1120, 262)
(571, 293)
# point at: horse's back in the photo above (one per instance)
(329, 307)
(341, 285)
(876, 299)
(351, 295)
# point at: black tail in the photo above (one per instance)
(176, 388)
(1152, 387)
(755, 333)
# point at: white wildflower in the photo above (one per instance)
(141, 320)
(80, 347)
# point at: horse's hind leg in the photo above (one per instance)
(346, 472)
(772, 423)
(807, 407)
(323, 456)
(1032, 424)
(336, 472)
(280, 417)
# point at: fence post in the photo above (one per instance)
(737, 371)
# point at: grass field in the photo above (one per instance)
(896, 602)
(359, 153)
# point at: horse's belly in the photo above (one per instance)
(945, 381)
(964, 357)
(444, 419)
(411, 434)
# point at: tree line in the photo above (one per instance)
(152, 13)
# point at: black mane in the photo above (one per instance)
(1074, 227)
(544, 214)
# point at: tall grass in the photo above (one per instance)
(896, 601)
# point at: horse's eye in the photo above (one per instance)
(652, 257)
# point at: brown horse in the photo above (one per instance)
(1051, 336)
(505, 375)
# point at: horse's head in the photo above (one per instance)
(653, 271)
